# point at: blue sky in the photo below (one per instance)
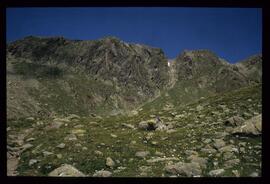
(232, 33)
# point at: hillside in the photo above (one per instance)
(196, 134)
(61, 76)
(110, 108)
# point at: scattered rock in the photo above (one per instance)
(54, 125)
(47, 153)
(199, 108)
(207, 141)
(78, 126)
(160, 127)
(159, 153)
(145, 169)
(148, 125)
(228, 155)
(218, 143)
(98, 153)
(128, 125)
(73, 116)
(159, 159)
(201, 161)
(208, 150)
(32, 162)
(71, 137)
(30, 119)
(191, 152)
(186, 169)
(236, 173)
(26, 146)
(217, 172)
(109, 162)
(142, 154)
(93, 123)
(113, 136)
(59, 156)
(230, 163)
(30, 139)
(62, 145)
(254, 174)
(171, 131)
(102, 173)
(252, 126)
(66, 170)
(234, 121)
(228, 148)
(143, 125)
(78, 131)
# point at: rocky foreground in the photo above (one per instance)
(217, 136)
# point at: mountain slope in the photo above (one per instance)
(107, 75)
(201, 73)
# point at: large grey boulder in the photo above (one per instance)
(185, 169)
(252, 126)
(66, 170)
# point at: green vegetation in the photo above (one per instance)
(81, 153)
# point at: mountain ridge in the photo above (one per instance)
(130, 74)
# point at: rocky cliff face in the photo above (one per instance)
(251, 68)
(108, 59)
(103, 74)
(209, 71)
(57, 75)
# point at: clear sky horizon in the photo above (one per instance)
(232, 33)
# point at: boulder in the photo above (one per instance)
(186, 169)
(143, 125)
(234, 121)
(199, 108)
(201, 161)
(142, 154)
(66, 170)
(147, 125)
(128, 126)
(54, 125)
(62, 145)
(71, 137)
(73, 116)
(109, 162)
(217, 172)
(32, 162)
(102, 173)
(231, 163)
(252, 126)
(218, 143)
(98, 153)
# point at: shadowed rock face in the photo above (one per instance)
(125, 75)
(109, 59)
